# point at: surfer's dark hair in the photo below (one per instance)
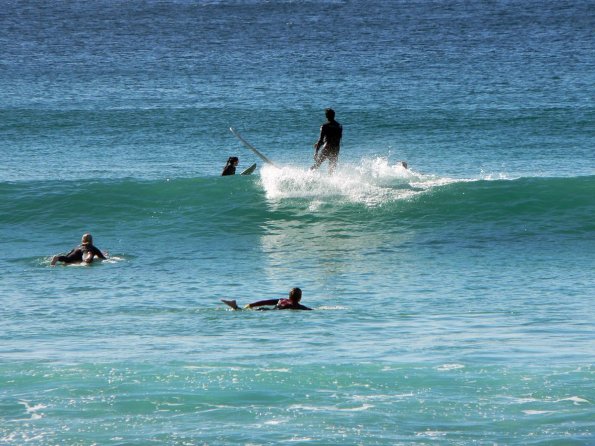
(232, 159)
(329, 113)
(295, 294)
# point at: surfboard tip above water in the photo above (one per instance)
(251, 147)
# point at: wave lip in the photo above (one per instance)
(373, 194)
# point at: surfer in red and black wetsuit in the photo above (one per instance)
(292, 303)
(85, 252)
(331, 133)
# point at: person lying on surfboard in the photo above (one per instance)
(230, 167)
(292, 303)
(84, 253)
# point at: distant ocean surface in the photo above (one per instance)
(453, 300)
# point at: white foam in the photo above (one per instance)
(277, 421)
(431, 434)
(113, 259)
(277, 370)
(575, 399)
(448, 367)
(383, 397)
(332, 307)
(372, 182)
(33, 410)
(309, 408)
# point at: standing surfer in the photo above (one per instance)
(330, 141)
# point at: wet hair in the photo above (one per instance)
(230, 168)
(295, 294)
(86, 239)
(329, 113)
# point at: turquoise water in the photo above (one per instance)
(453, 300)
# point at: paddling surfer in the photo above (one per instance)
(291, 303)
(84, 253)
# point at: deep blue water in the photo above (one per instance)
(453, 300)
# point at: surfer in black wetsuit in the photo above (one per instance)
(85, 252)
(230, 167)
(292, 303)
(330, 141)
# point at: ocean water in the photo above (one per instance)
(453, 300)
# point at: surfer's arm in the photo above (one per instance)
(262, 303)
(320, 139)
(98, 253)
(75, 254)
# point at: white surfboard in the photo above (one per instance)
(251, 147)
(249, 170)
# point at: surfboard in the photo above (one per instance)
(249, 170)
(251, 147)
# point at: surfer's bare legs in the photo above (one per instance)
(317, 160)
(330, 154)
(332, 162)
(231, 303)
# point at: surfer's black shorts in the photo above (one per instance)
(329, 152)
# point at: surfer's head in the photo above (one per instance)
(329, 113)
(295, 295)
(233, 160)
(87, 239)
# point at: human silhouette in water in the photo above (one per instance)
(230, 167)
(292, 303)
(331, 133)
(84, 253)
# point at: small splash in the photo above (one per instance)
(494, 176)
(431, 434)
(576, 400)
(448, 367)
(363, 407)
(114, 259)
(537, 412)
(332, 307)
(32, 410)
(46, 261)
(351, 408)
(525, 400)
(277, 421)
